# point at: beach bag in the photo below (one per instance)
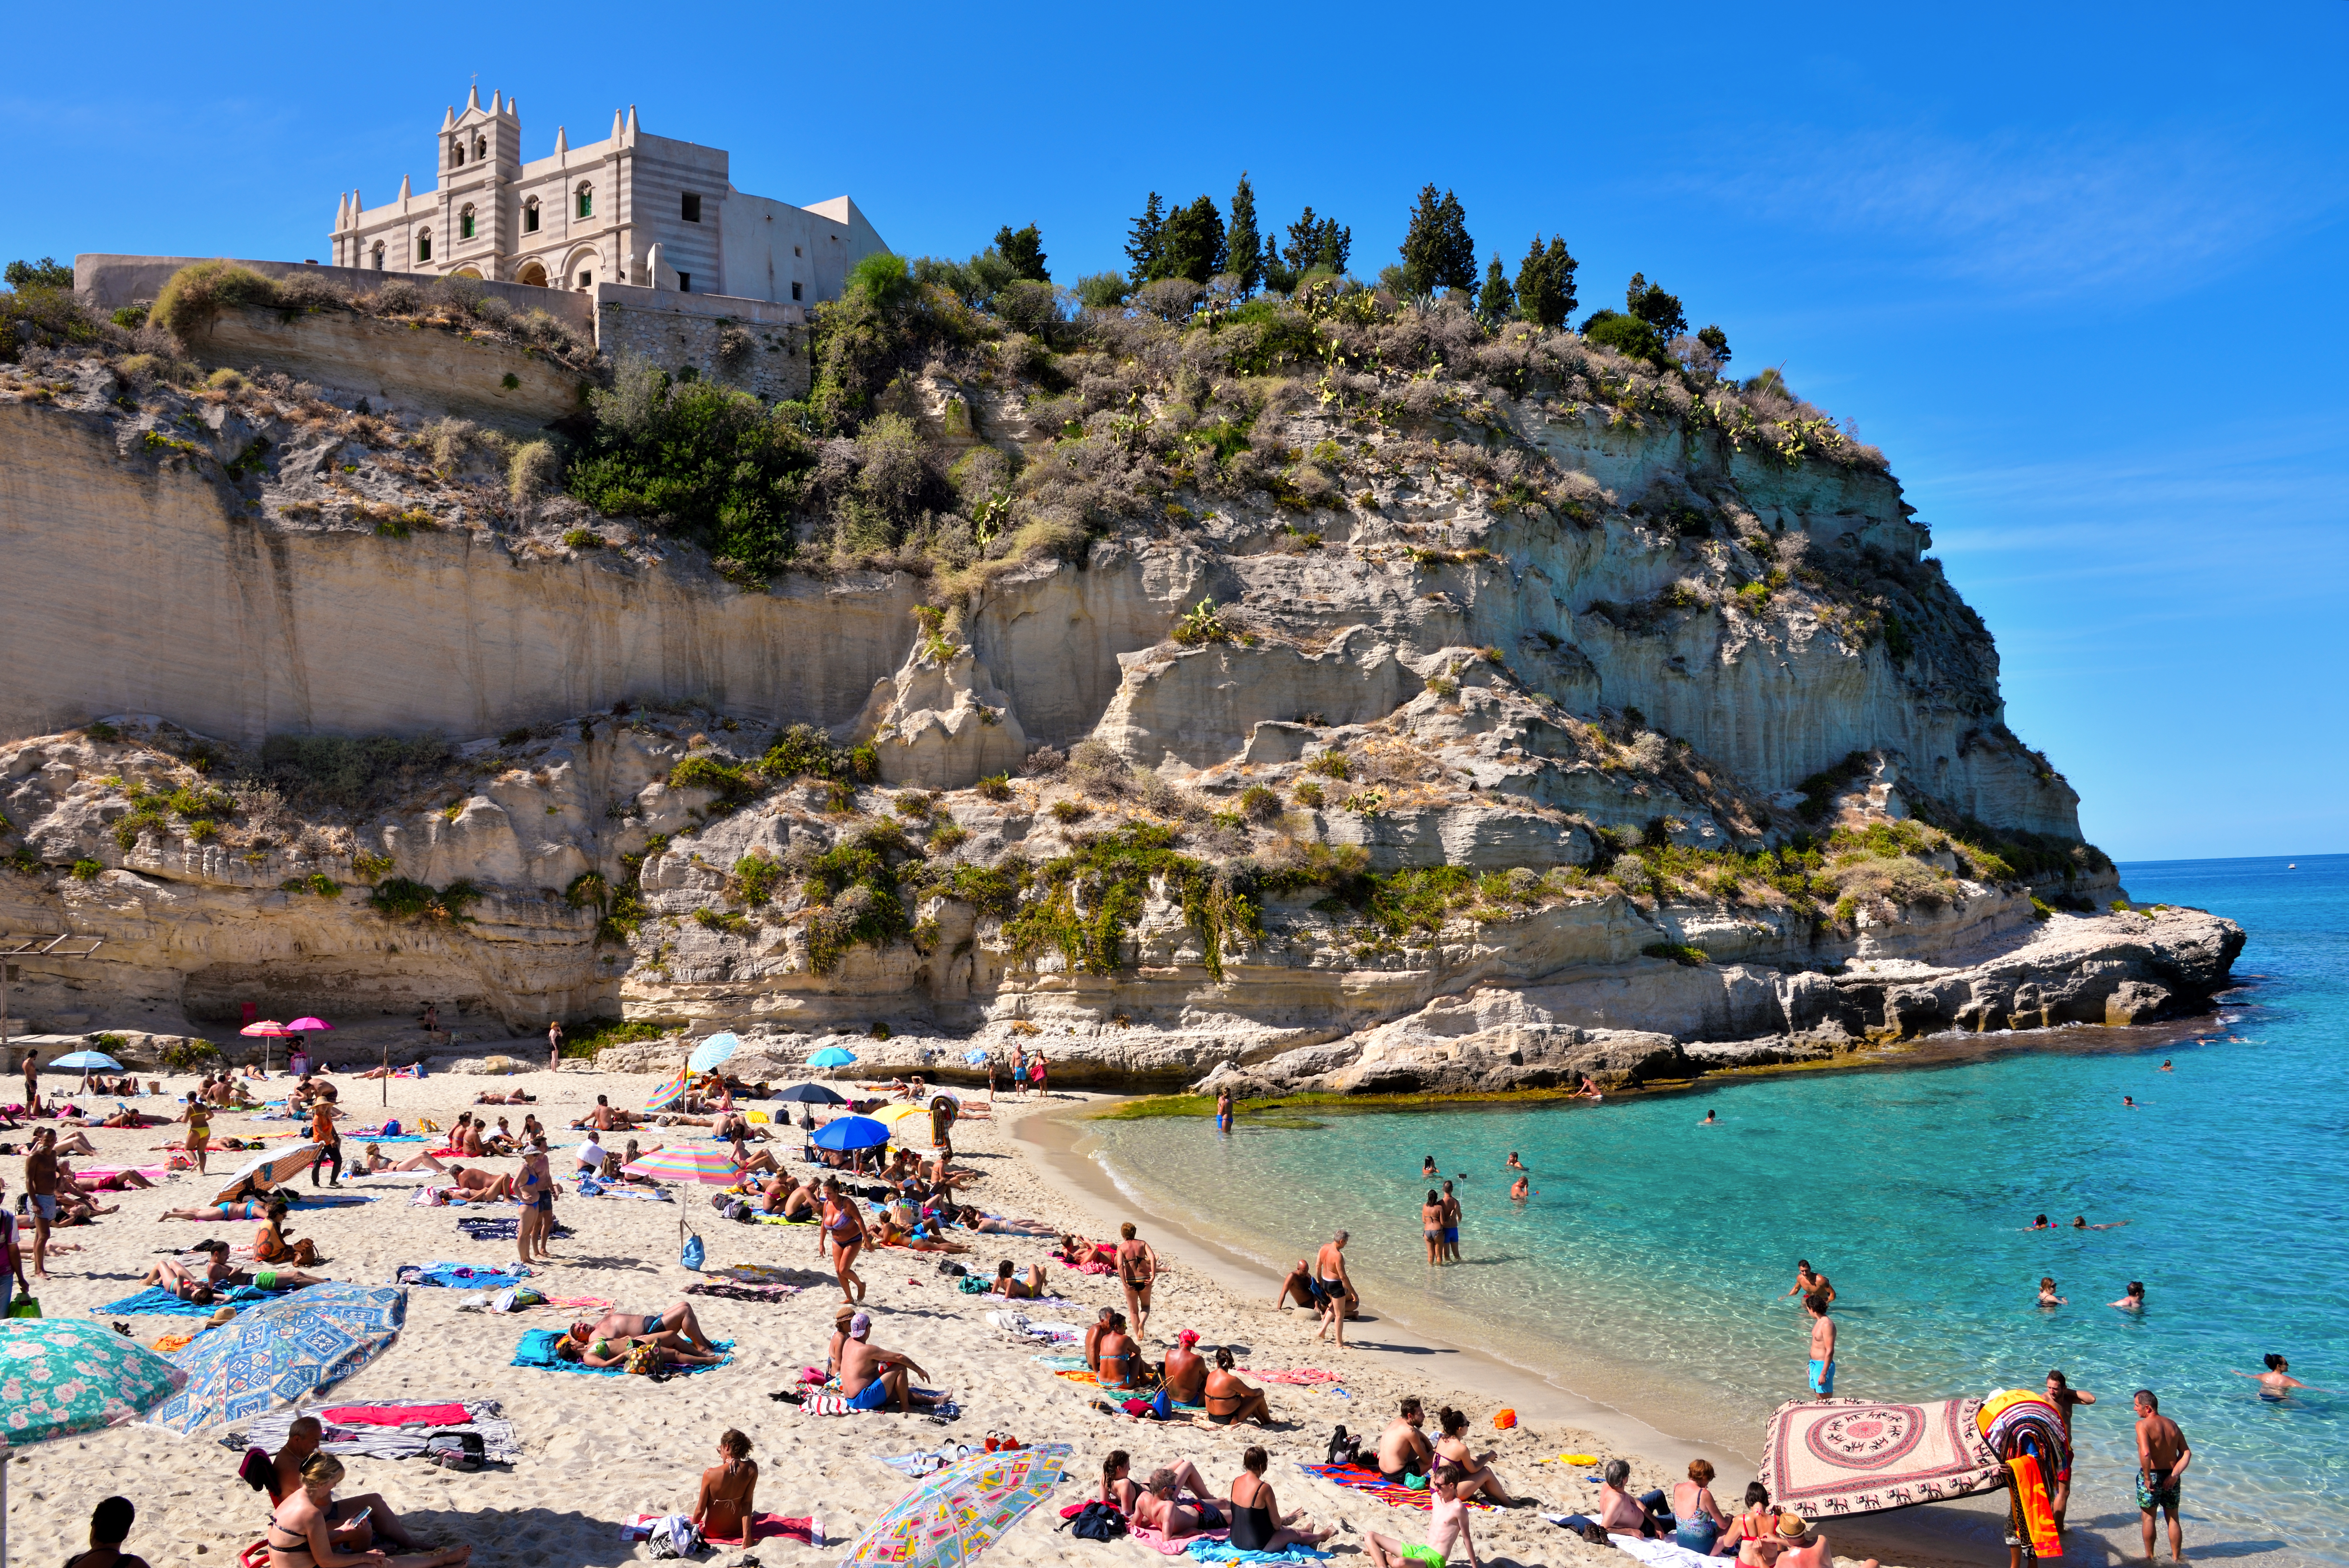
(643, 1360)
(455, 1450)
(390, 1129)
(26, 1306)
(692, 1254)
(1098, 1522)
(971, 1285)
(513, 1298)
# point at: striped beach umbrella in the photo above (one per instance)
(713, 1052)
(672, 1090)
(280, 1167)
(709, 1166)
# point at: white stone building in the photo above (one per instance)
(633, 209)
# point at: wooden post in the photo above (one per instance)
(387, 1070)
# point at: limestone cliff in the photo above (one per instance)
(1409, 768)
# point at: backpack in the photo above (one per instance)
(1098, 1522)
(951, 1269)
(1343, 1449)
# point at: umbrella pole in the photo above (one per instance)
(387, 1100)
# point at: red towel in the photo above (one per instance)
(394, 1415)
(768, 1526)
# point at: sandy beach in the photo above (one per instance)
(595, 1452)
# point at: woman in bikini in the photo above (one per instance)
(248, 1209)
(844, 1232)
(1229, 1399)
(1012, 1286)
(669, 1346)
(269, 1243)
(1257, 1524)
(300, 1537)
(1431, 1224)
(725, 1509)
(1757, 1524)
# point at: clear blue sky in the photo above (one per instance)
(2079, 272)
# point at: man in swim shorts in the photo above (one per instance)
(1823, 1344)
(2162, 1455)
(1402, 1449)
(1333, 1290)
(1450, 1248)
(2064, 1397)
(872, 1376)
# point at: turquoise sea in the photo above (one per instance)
(1653, 1253)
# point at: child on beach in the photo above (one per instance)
(1447, 1522)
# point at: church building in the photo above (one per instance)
(633, 209)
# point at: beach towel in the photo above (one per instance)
(1657, 1553)
(919, 1463)
(1376, 1485)
(766, 1527)
(772, 1274)
(1207, 1549)
(1827, 1457)
(1302, 1375)
(1063, 1362)
(100, 1172)
(733, 1291)
(458, 1276)
(157, 1301)
(482, 1418)
(537, 1350)
(482, 1227)
(443, 1415)
(1172, 1546)
(302, 1197)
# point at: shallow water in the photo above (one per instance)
(1653, 1252)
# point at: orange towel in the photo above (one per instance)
(2031, 1501)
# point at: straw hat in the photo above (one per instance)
(1793, 1527)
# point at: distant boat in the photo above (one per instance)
(2291, 865)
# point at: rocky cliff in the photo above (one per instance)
(1483, 740)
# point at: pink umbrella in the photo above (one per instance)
(269, 1029)
(309, 1024)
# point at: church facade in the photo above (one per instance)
(633, 209)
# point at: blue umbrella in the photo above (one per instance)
(831, 1057)
(276, 1353)
(86, 1062)
(842, 1133)
(713, 1050)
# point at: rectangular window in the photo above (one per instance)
(795, 250)
(586, 203)
(685, 282)
(529, 219)
(585, 278)
(692, 208)
(424, 246)
(795, 291)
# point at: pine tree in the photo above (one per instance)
(1650, 304)
(1332, 246)
(1498, 301)
(1024, 249)
(1436, 250)
(1715, 339)
(1149, 236)
(1191, 245)
(1240, 237)
(1304, 251)
(1546, 283)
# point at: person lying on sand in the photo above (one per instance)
(199, 1284)
(423, 1159)
(302, 1440)
(115, 1182)
(301, 1530)
(1229, 1399)
(480, 1186)
(871, 1376)
(1157, 1504)
(748, 1162)
(246, 1209)
(670, 1349)
(1008, 1282)
(786, 1195)
(127, 1117)
(492, 1097)
(738, 1127)
(74, 1142)
(677, 1318)
(971, 1219)
(917, 1240)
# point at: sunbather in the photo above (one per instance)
(1008, 1283)
(872, 1378)
(915, 1239)
(1257, 1524)
(1229, 1399)
(749, 1163)
(724, 1508)
(1117, 1362)
(492, 1097)
(372, 1160)
(269, 1242)
(677, 1318)
(423, 1159)
(787, 1196)
(1156, 1503)
(667, 1348)
(124, 1116)
(1476, 1473)
(302, 1529)
(480, 1186)
(73, 1142)
(113, 1181)
(249, 1208)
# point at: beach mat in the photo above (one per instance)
(1841, 1456)
(157, 1301)
(537, 1350)
(1207, 1549)
(482, 1229)
(1373, 1484)
(457, 1276)
(733, 1291)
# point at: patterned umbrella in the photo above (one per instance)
(269, 1028)
(275, 1353)
(712, 1052)
(280, 1167)
(709, 1166)
(61, 1376)
(955, 1514)
(672, 1090)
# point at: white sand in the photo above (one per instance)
(597, 1451)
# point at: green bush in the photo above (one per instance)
(87, 870)
(354, 773)
(755, 876)
(595, 1033)
(367, 866)
(1330, 765)
(1258, 803)
(699, 461)
(186, 1056)
(720, 778)
(1308, 794)
(804, 750)
(722, 921)
(193, 297)
(994, 786)
(1678, 952)
(400, 898)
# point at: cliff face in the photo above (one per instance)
(1412, 762)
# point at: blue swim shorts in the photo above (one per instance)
(1823, 1377)
(1452, 1235)
(875, 1397)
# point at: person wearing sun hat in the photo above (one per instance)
(1186, 1370)
(1804, 1547)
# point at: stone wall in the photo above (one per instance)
(750, 344)
(115, 281)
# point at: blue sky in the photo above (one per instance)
(2074, 269)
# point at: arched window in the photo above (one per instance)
(530, 216)
(587, 200)
(378, 256)
(456, 153)
(423, 245)
(481, 147)
(465, 224)
(532, 274)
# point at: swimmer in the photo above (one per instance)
(2048, 1297)
(1709, 1120)
(2042, 1223)
(2277, 1382)
(2165, 1062)
(1515, 1163)
(1522, 1190)
(2128, 1102)
(2134, 1301)
(1427, 1166)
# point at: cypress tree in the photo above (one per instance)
(1240, 238)
(1191, 243)
(1436, 250)
(1498, 301)
(1546, 283)
(1143, 246)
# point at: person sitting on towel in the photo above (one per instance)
(872, 1378)
(1229, 1399)
(302, 1440)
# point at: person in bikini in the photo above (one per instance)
(302, 1440)
(1447, 1523)
(1115, 1350)
(301, 1532)
(1431, 1226)
(668, 1348)
(1008, 1284)
(1137, 1271)
(843, 1230)
(2277, 1382)
(725, 1506)
(1476, 1473)
(1403, 1449)
(1229, 1399)
(480, 1186)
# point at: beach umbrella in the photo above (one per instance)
(832, 1056)
(86, 1062)
(62, 1376)
(842, 1133)
(813, 1095)
(709, 1166)
(280, 1352)
(953, 1515)
(307, 1025)
(712, 1052)
(672, 1090)
(266, 1030)
(281, 1166)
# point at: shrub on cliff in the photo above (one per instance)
(194, 295)
(699, 461)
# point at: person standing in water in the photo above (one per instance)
(1823, 1345)
(2277, 1382)
(1450, 1225)
(2064, 1397)
(2134, 1301)
(1431, 1224)
(1223, 1110)
(2162, 1455)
